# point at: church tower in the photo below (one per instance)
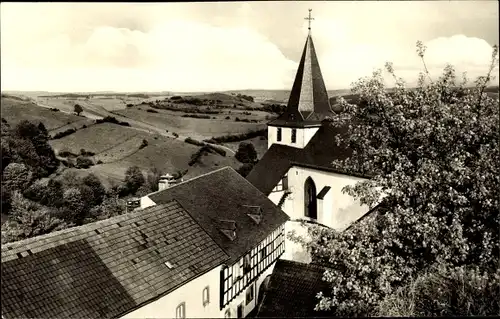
(308, 104)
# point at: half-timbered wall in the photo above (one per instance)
(237, 277)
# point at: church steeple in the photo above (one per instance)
(308, 103)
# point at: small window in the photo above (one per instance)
(263, 253)
(227, 314)
(246, 264)
(206, 296)
(278, 138)
(294, 135)
(250, 294)
(180, 312)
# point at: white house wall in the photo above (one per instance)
(304, 135)
(338, 212)
(191, 294)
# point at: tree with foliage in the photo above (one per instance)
(16, 177)
(78, 109)
(153, 178)
(29, 219)
(245, 169)
(433, 153)
(75, 205)
(133, 179)
(48, 193)
(95, 185)
(246, 153)
(27, 143)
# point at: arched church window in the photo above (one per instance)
(310, 200)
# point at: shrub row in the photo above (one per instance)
(63, 133)
(246, 120)
(111, 119)
(196, 116)
(196, 156)
(237, 137)
(214, 148)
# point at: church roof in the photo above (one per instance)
(108, 268)
(308, 103)
(292, 291)
(318, 153)
(221, 196)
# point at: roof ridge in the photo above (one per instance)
(90, 226)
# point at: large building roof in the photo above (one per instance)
(221, 198)
(318, 153)
(108, 268)
(292, 291)
(308, 103)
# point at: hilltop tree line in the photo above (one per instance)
(431, 246)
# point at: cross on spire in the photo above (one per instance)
(309, 18)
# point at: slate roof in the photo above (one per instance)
(292, 291)
(222, 195)
(308, 103)
(108, 268)
(318, 153)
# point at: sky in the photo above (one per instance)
(188, 47)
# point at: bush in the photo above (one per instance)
(246, 153)
(207, 117)
(111, 119)
(237, 137)
(99, 162)
(175, 135)
(53, 109)
(151, 111)
(194, 142)
(143, 144)
(245, 169)
(83, 152)
(67, 154)
(130, 105)
(83, 162)
(64, 133)
(196, 156)
(228, 117)
(446, 291)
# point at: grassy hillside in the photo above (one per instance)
(197, 128)
(15, 110)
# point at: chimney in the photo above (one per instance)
(168, 180)
(133, 203)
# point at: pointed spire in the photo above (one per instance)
(308, 102)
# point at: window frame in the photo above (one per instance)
(180, 308)
(207, 300)
(279, 134)
(293, 137)
(252, 294)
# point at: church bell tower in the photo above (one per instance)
(308, 104)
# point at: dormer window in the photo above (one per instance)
(228, 228)
(254, 212)
(294, 135)
(278, 136)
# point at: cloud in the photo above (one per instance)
(177, 55)
(346, 62)
(177, 47)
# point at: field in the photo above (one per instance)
(197, 128)
(15, 110)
